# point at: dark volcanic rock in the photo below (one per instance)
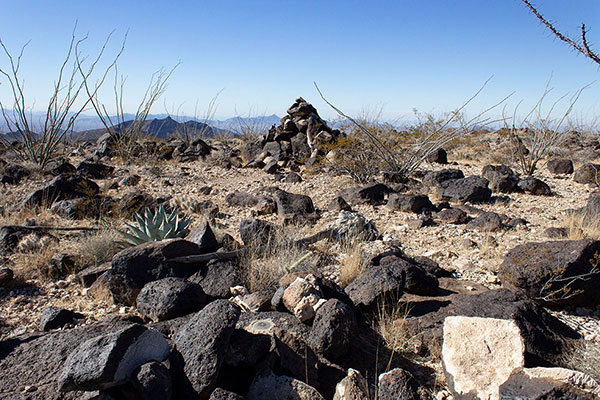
(417, 279)
(14, 173)
(373, 194)
(94, 170)
(22, 363)
(399, 384)
(560, 166)
(545, 336)
(559, 273)
(241, 199)
(415, 203)
(169, 298)
(487, 222)
(502, 178)
(204, 237)
(54, 317)
(534, 186)
(132, 268)
(333, 329)
(434, 178)
(203, 344)
(587, 173)
(222, 394)
(6, 276)
(377, 283)
(111, 358)
(217, 277)
(294, 204)
(256, 232)
(473, 189)
(339, 204)
(453, 216)
(63, 187)
(152, 381)
(438, 156)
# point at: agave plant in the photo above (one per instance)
(153, 225)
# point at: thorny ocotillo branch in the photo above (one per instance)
(583, 48)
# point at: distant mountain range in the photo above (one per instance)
(163, 125)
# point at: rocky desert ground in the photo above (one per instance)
(466, 280)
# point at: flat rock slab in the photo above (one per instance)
(480, 354)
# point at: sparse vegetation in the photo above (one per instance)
(39, 142)
(153, 225)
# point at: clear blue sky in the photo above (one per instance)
(430, 55)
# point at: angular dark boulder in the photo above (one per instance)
(14, 174)
(111, 358)
(472, 189)
(452, 216)
(257, 232)
(545, 336)
(152, 381)
(22, 365)
(560, 166)
(377, 284)
(217, 277)
(63, 187)
(433, 178)
(534, 186)
(487, 222)
(55, 317)
(333, 329)
(204, 237)
(502, 178)
(415, 203)
(399, 384)
(169, 298)
(134, 267)
(93, 170)
(293, 204)
(241, 199)
(438, 156)
(373, 194)
(555, 273)
(587, 173)
(203, 342)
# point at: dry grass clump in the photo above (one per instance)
(390, 324)
(585, 357)
(583, 225)
(96, 248)
(33, 253)
(353, 263)
(265, 265)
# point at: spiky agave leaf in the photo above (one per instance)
(155, 225)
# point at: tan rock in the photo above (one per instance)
(352, 387)
(301, 296)
(480, 354)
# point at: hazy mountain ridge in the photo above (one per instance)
(161, 126)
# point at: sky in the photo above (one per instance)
(366, 56)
